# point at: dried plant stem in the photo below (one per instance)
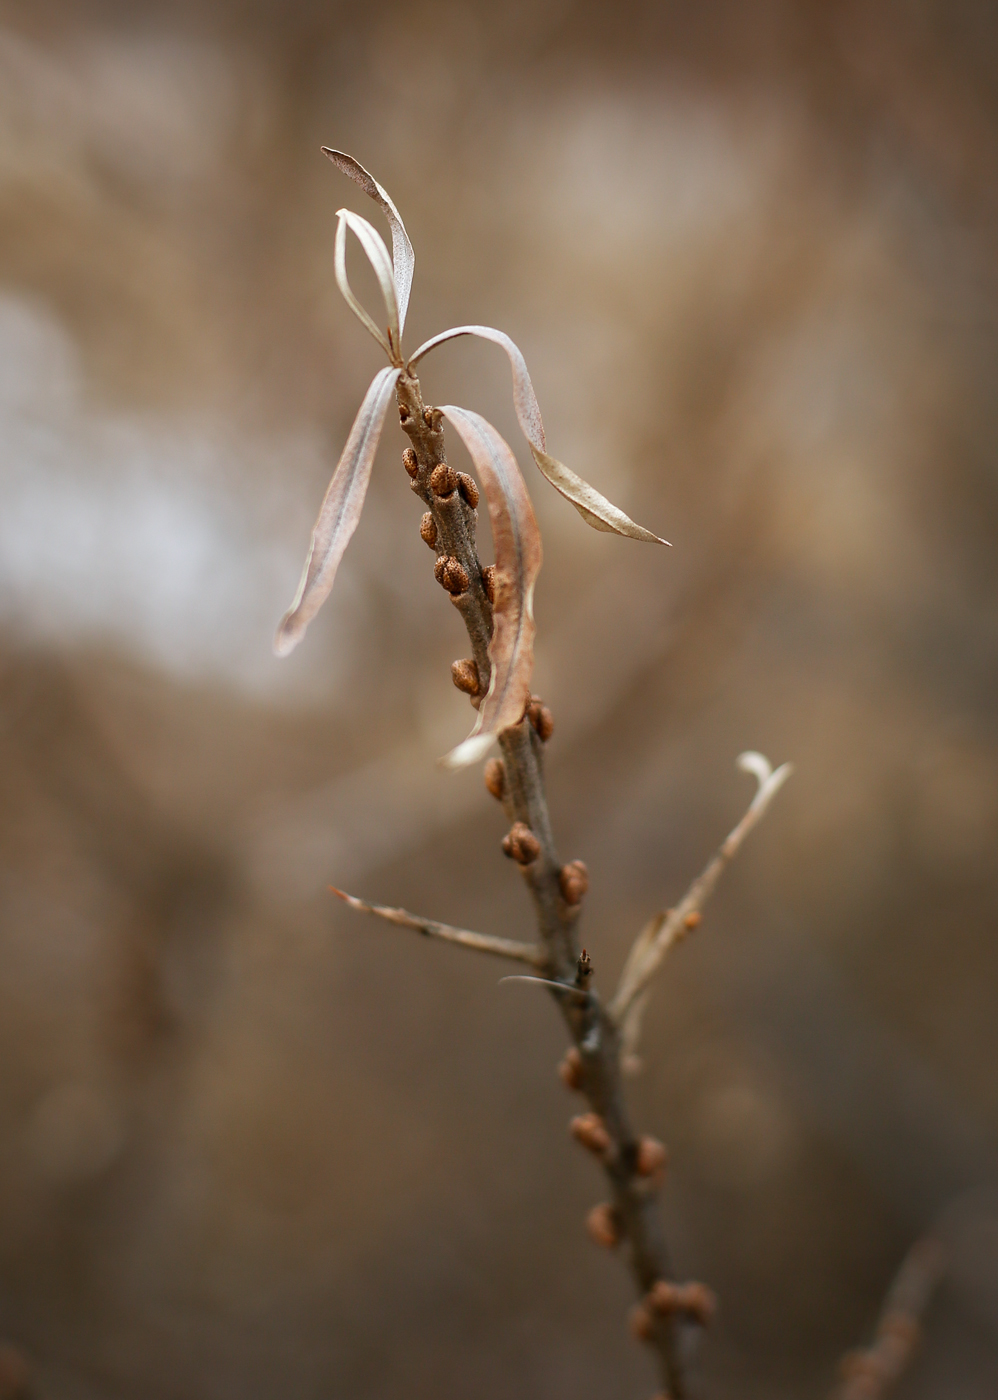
(871, 1373)
(594, 1032)
(481, 942)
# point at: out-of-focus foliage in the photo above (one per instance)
(251, 1145)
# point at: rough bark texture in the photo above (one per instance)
(593, 1032)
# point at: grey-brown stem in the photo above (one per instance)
(593, 1032)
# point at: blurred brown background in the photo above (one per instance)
(254, 1146)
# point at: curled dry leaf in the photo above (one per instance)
(517, 543)
(339, 513)
(377, 255)
(403, 258)
(595, 509)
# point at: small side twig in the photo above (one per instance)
(480, 942)
(659, 934)
(869, 1374)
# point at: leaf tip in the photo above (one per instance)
(287, 636)
(475, 747)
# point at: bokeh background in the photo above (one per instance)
(252, 1145)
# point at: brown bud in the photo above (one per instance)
(573, 881)
(692, 920)
(428, 417)
(520, 844)
(464, 674)
(695, 1300)
(601, 1222)
(495, 777)
(449, 572)
(540, 717)
(428, 530)
(489, 578)
(469, 488)
(590, 1130)
(641, 1323)
(409, 461)
(652, 1157)
(443, 480)
(570, 1071)
(403, 413)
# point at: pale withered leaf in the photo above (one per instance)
(377, 255)
(517, 543)
(339, 513)
(595, 509)
(403, 258)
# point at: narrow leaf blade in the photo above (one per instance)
(403, 258)
(595, 509)
(377, 255)
(517, 543)
(339, 513)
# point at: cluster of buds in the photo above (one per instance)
(520, 844)
(450, 573)
(691, 1300)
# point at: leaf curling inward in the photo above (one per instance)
(403, 258)
(339, 512)
(517, 544)
(594, 508)
(377, 255)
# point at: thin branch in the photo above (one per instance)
(481, 942)
(871, 1373)
(656, 938)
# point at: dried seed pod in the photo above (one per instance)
(641, 1323)
(695, 1300)
(495, 777)
(449, 572)
(520, 844)
(489, 579)
(540, 717)
(443, 480)
(428, 530)
(573, 881)
(603, 1227)
(409, 461)
(464, 674)
(468, 487)
(652, 1156)
(692, 920)
(570, 1071)
(590, 1130)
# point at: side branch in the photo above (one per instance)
(481, 942)
(871, 1373)
(656, 938)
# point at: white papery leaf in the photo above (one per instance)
(339, 513)
(403, 258)
(595, 509)
(377, 255)
(517, 544)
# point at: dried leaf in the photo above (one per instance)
(339, 513)
(377, 255)
(517, 543)
(595, 509)
(403, 258)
